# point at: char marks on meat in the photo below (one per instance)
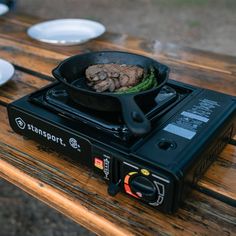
(113, 77)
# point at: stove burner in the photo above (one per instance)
(58, 100)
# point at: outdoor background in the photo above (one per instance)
(204, 24)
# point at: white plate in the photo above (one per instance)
(66, 31)
(6, 71)
(3, 9)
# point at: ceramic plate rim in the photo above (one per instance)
(37, 27)
(3, 9)
(9, 70)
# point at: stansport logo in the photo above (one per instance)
(22, 125)
(46, 134)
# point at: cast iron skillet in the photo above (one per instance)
(71, 72)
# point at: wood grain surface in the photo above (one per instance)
(76, 191)
(205, 69)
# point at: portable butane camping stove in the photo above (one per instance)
(190, 126)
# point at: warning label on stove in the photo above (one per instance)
(174, 129)
(194, 116)
(204, 109)
(191, 120)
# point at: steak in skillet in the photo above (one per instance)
(113, 77)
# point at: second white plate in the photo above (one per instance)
(3, 9)
(6, 71)
(66, 31)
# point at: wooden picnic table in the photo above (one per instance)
(73, 189)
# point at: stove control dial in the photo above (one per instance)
(144, 188)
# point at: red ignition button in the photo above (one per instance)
(98, 163)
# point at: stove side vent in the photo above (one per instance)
(212, 154)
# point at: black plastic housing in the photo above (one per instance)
(173, 156)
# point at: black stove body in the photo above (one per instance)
(190, 126)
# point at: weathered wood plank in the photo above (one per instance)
(164, 51)
(218, 76)
(78, 193)
(30, 57)
(43, 61)
(62, 202)
(20, 85)
(220, 177)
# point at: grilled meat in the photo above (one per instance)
(111, 77)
